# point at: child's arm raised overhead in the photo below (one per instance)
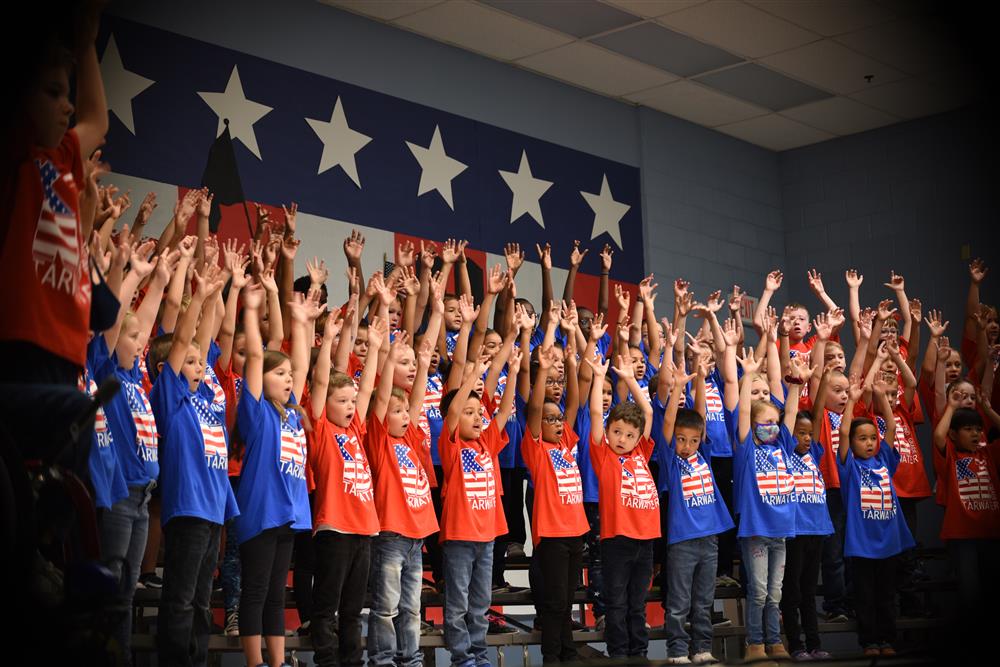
(378, 334)
(496, 366)
(469, 314)
(597, 331)
(575, 259)
(767, 349)
(905, 373)
(496, 280)
(253, 367)
(750, 364)
(547, 358)
(545, 259)
(388, 370)
(602, 290)
(798, 373)
(175, 293)
(854, 280)
(884, 312)
(730, 375)
(677, 379)
(771, 285)
(142, 266)
(898, 286)
(462, 278)
(236, 262)
(304, 313)
(598, 369)
(91, 103)
(626, 369)
(354, 246)
(880, 396)
(736, 310)
(977, 273)
(913, 342)
(470, 372)
(816, 285)
(572, 385)
(937, 329)
(506, 408)
(647, 295)
(419, 390)
(854, 391)
(276, 327)
(683, 303)
(701, 372)
(335, 324)
(349, 331)
(205, 289)
(819, 402)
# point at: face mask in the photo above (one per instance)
(766, 433)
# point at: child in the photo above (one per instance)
(803, 552)
(630, 509)
(696, 515)
(273, 498)
(875, 532)
(471, 516)
(558, 521)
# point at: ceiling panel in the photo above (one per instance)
(832, 66)
(581, 18)
(655, 45)
(653, 8)
(908, 45)
(482, 29)
(739, 27)
(764, 87)
(775, 132)
(386, 10)
(840, 116)
(592, 67)
(696, 103)
(828, 17)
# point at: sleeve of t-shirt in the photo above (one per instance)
(169, 390)
(786, 440)
(667, 455)
(597, 453)
(376, 441)
(646, 446)
(494, 440)
(569, 435)
(98, 356)
(359, 427)
(529, 448)
(250, 413)
(69, 153)
(890, 457)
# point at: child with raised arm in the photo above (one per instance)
(630, 509)
(344, 514)
(875, 532)
(472, 516)
(273, 499)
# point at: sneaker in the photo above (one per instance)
(777, 651)
(704, 658)
(500, 588)
(150, 580)
(725, 581)
(754, 652)
(232, 623)
(887, 651)
(836, 617)
(802, 655)
(871, 651)
(720, 621)
(678, 660)
(515, 550)
(820, 654)
(498, 626)
(429, 629)
(303, 630)
(427, 586)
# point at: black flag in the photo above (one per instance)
(222, 178)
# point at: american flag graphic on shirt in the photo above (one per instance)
(974, 483)
(696, 477)
(876, 489)
(88, 385)
(416, 486)
(357, 476)
(57, 234)
(477, 473)
(772, 475)
(636, 483)
(212, 382)
(901, 439)
(432, 406)
(293, 440)
(568, 482)
(713, 399)
(142, 416)
(805, 472)
(213, 431)
(835, 420)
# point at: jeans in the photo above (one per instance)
(394, 623)
(595, 582)
(559, 561)
(798, 596)
(229, 571)
(467, 593)
(690, 573)
(834, 575)
(626, 582)
(342, 564)
(123, 529)
(764, 558)
(265, 559)
(191, 552)
(875, 588)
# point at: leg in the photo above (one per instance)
(229, 571)
(722, 470)
(775, 575)
(638, 586)
(755, 561)
(550, 594)
(865, 587)
(390, 552)
(809, 577)
(257, 560)
(834, 587)
(574, 555)
(332, 553)
(480, 595)
(791, 597)
(679, 578)
(352, 600)
(593, 540)
(703, 593)
(435, 555)
(616, 550)
(273, 623)
(885, 598)
(408, 620)
(152, 552)
(185, 542)
(210, 535)
(123, 541)
(458, 564)
(304, 554)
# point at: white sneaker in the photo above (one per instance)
(679, 660)
(704, 658)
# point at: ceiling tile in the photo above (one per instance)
(652, 8)
(840, 116)
(386, 10)
(655, 45)
(915, 98)
(763, 87)
(775, 132)
(477, 28)
(581, 18)
(827, 17)
(590, 66)
(696, 103)
(738, 28)
(832, 66)
(908, 45)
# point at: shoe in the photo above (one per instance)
(720, 621)
(232, 623)
(427, 586)
(498, 626)
(887, 651)
(725, 581)
(515, 550)
(704, 658)
(576, 626)
(678, 660)
(754, 653)
(150, 580)
(802, 655)
(303, 630)
(598, 624)
(217, 584)
(429, 629)
(777, 651)
(820, 654)
(871, 651)
(836, 617)
(500, 588)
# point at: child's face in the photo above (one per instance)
(452, 315)
(606, 395)
(361, 344)
(585, 318)
(759, 391)
(491, 344)
(470, 421)
(952, 367)
(622, 437)
(798, 324)
(554, 387)
(865, 441)
(49, 107)
(686, 440)
(889, 373)
(764, 417)
(278, 382)
(406, 370)
(967, 438)
(638, 363)
(890, 330)
(397, 417)
(395, 314)
(552, 423)
(193, 369)
(803, 435)
(834, 354)
(966, 395)
(836, 397)
(127, 347)
(239, 353)
(341, 404)
(992, 330)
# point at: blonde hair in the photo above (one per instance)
(760, 406)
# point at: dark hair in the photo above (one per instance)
(687, 418)
(952, 385)
(159, 348)
(795, 305)
(449, 397)
(857, 423)
(628, 412)
(803, 415)
(964, 418)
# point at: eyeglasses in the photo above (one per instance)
(553, 382)
(553, 419)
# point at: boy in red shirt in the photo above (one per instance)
(630, 509)
(472, 516)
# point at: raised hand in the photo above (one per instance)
(186, 246)
(467, 309)
(978, 270)
(253, 296)
(428, 251)
(749, 361)
(623, 297)
(934, 323)
(514, 255)
(865, 320)
(855, 388)
(598, 327)
(318, 273)
(916, 310)
(815, 281)
(606, 254)
(145, 210)
(267, 280)
(354, 245)
(404, 254)
(823, 327)
(730, 333)
(450, 251)
(836, 318)
(896, 282)
(598, 365)
(853, 278)
(140, 255)
(185, 207)
(798, 368)
(544, 255)
(669, 335)
(714, 303)
(576, 256)
(685, 303)
(680, 288)
(773, 280)
(378, 333)
(205, 204)
(624, 367)
(735, 299)
(885, 311)
(290, 215)
(647, 290)
(568, 316)
(496, 280)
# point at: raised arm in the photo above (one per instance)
(598, 369)
(175, 293)
(304, 313)
(678, 380)
(91, 103)
(798, 373)
(545, 259)
(236, 263)
(816, 285)
(547, 359)
(603, 289)
(572, 385)
(378, 334)
(253, 367)
(750, 364)
(854, 280)
(937, 328)
(898, 286)
(206, 289)
(977, 273)
(647, 295)
(728, 369)
(625, 369)
(854, 392)
(575, 259)
(470, 373)
(771, 285)
(388, 370)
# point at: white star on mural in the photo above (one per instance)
(340, 143)
(241, 112)
(607, 212)
(437, 169)
(527, 190)
(120, 85)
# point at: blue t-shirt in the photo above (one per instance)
(715, 416)
(272, 489)
(102, 463)
(587, 474)
(764, 488)
(694, 508)
(875, 527)
(510, 456)
(811, 514)
(432, 411)
(194, 458)
(660, 445)
(133, 426)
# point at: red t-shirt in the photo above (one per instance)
(345, 496)
(971, 486)
(231, 385)
(629, 504)
(48, 305)
(471, 508)
(558, 507)
(403, 474)
(910, 478)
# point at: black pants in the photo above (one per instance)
(431, 543)
(191, 551)
(874, 596)
(722, 470)
(909, 601)
(264, 561)
(304, 555)
(628, 566)
(513, 509)
(559, 561)
(342, 563)
(595, 581)
(798, 591)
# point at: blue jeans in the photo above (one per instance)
(123, 528)
(691, 567)
(628, 569)
(468, 569)
(834, 576)
(764, 558)
(229, 571)
(394, 623)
